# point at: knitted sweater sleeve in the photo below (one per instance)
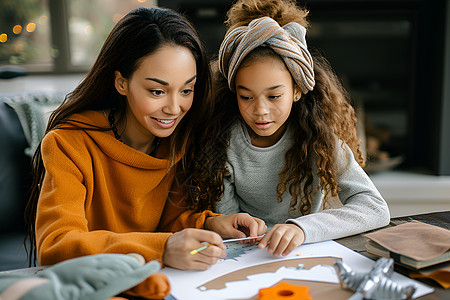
(363, 206)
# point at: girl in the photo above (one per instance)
(108, 160)
(283, 142)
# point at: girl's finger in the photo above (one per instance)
(274, 241)
(262, 227)
(292, 245)
(283, 243)
(248, 222)
(265, 240)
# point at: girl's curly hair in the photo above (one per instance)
(317, 119)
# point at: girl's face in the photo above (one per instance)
(159, 93)
(265, 94)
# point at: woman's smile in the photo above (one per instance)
(164, 123)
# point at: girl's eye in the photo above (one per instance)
(187, 92)
(245, 97)
(274, 97)
(157, 93)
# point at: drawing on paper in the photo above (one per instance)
(313, 269)
(237, 249)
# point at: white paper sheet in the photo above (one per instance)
(184, 283)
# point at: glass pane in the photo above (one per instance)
(24, 32)
(91, 21)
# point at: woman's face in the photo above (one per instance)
(159, 93)
(265, 94)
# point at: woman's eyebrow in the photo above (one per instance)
(160, 81)
(191, 79)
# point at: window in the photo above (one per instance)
(58, 35)
(25, 33)
(90, 23)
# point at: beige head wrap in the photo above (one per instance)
(287, 41)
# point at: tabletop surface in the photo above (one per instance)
(441, 219)
(357, 244)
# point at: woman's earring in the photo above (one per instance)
(296, 98)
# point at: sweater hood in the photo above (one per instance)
(92, 121)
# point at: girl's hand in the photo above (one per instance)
(180, 244)
(236, 226)
(282, 239)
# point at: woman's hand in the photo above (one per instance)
(282, 239)
(236, 226)
(180, 244)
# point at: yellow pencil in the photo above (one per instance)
(200, 249)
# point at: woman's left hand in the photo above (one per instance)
(236, 225)
(282, 239)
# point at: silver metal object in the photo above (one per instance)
(377, 284)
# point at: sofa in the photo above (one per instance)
(23, 120)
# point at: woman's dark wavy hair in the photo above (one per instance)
(138, 34)
(317, 119)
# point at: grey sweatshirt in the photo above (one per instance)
(252, 188)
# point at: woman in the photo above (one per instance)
(112, 149)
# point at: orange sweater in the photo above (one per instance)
(102, 196)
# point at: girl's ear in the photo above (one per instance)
(120, 83)
(297, 95)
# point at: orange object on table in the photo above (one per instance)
(285, 291)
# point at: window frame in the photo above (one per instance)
(59, 31)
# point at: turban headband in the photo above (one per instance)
(287, 41)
